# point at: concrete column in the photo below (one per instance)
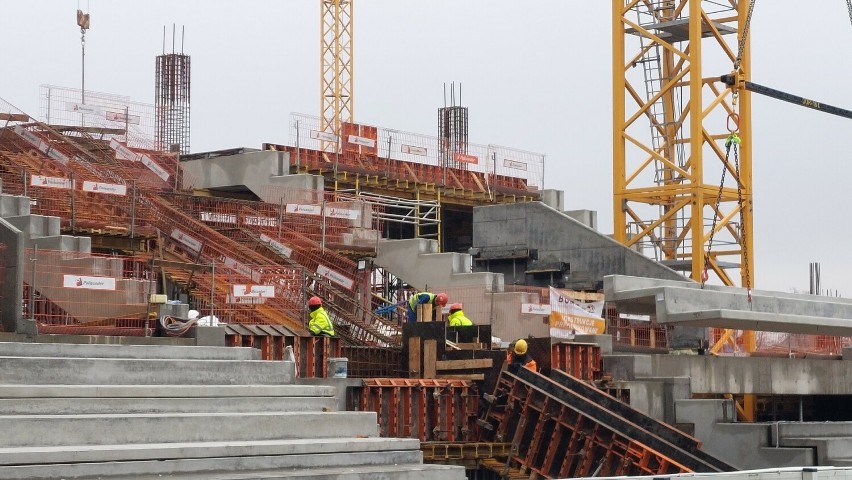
(12, 289)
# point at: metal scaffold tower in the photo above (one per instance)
(336, 106)
(666, 180)
(172, 92)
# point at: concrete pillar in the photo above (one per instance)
(12, 289)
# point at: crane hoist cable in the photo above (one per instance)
(732, 143)
(849, 6)
(747, 27)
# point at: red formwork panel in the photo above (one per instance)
(426, 409)
(581, 360)
(551, 440)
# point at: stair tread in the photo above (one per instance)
(180, 415)
(170, 391)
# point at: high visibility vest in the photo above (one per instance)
(457, 319)
(320, 324)
(415, 300)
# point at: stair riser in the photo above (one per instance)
(103, 371)
(154, 468)
(178, 451)
(68, 350)
(21, 431)
(76, 406)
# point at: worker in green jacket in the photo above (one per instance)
(422, 298)
(457, 317)
(320, 324)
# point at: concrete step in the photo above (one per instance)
(14, 205)
(829, 450)
(38, 226)
(63, 243)
(58, 430)
(197, 450)
(125, 371)
(331, 465)
(70, 350)
(415, 471)
(164, 391)
(106, 406)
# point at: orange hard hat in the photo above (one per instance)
(314, 301)
(441, 299)
(456, 306)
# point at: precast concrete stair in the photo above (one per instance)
(831, 441)
(665, 393)
(151, 411)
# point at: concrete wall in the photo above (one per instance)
(558, 238)
(509, 323)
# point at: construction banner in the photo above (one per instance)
(569, 315)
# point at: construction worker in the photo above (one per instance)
(422, 298)
(457, 317)
(320, 324)
(520, 357)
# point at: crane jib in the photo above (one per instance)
(788, 97)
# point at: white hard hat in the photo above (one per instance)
(192, 314)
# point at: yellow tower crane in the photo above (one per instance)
(336, 105)
(663, 197)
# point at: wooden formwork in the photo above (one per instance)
(427, 409)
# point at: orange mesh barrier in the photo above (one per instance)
(73, 290)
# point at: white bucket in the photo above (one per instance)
(337, 367)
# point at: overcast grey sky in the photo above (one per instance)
(536, 75)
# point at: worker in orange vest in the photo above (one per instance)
(520, 358)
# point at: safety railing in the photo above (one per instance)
(372, 147)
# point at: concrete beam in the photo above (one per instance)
(687, 303)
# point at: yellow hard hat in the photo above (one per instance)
(521, 347)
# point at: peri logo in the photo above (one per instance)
(79, 281)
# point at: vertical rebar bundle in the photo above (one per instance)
(172, 102)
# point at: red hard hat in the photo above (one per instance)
(441, 299)
(456, 306)
(314, 301)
